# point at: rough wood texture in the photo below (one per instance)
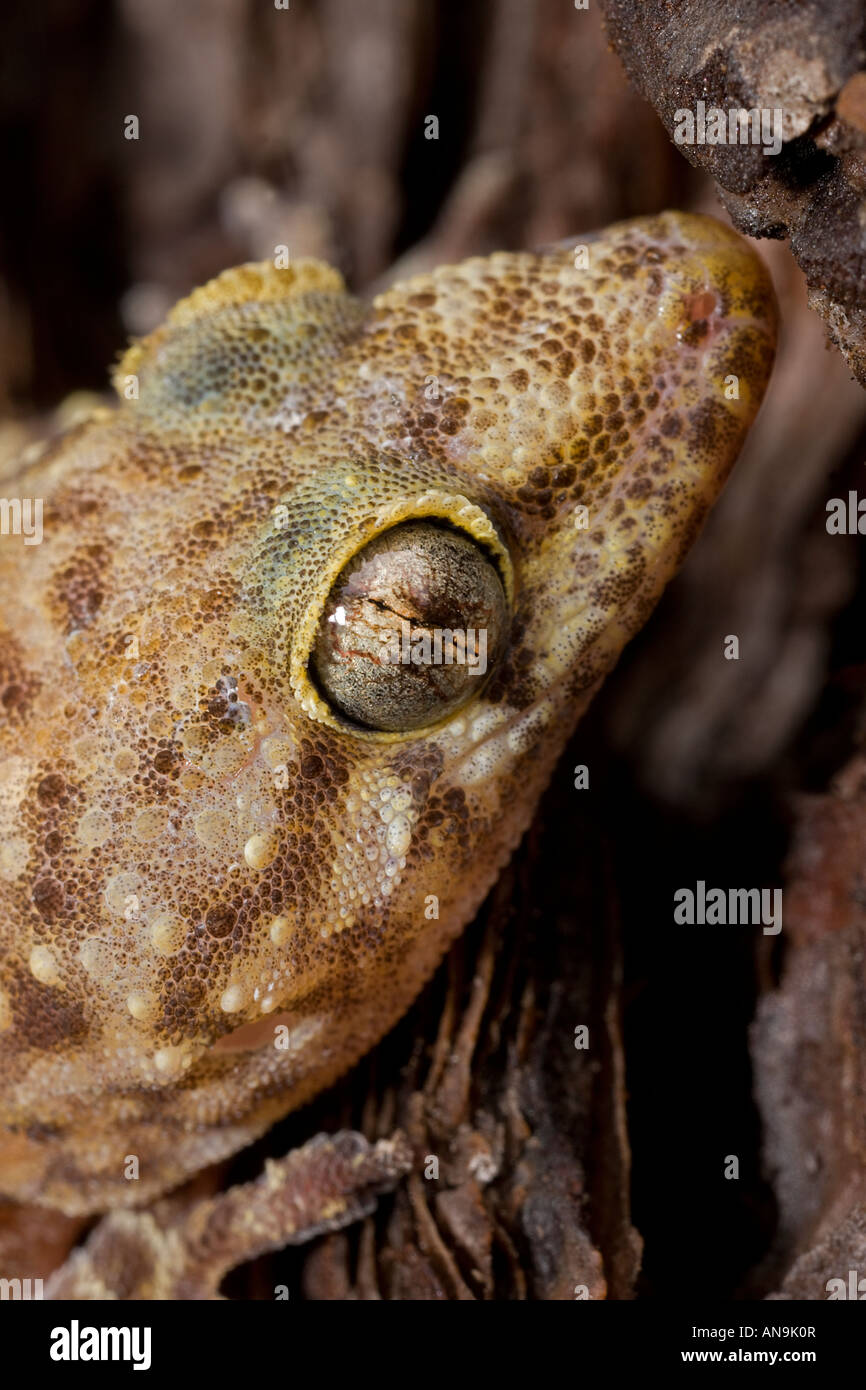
(806, 59)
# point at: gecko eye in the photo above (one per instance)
(411, 628)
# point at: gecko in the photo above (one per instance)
(255, 775)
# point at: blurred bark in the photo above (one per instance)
(809, 1044)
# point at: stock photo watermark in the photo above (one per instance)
(737, 126)
(731, 907)
(22, 516)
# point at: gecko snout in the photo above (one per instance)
(714, 277)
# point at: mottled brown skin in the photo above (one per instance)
(198, 857)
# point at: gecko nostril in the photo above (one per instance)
(700, 306)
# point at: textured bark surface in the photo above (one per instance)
(806, 59)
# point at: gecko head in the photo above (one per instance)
(554, 429)
(361, 569)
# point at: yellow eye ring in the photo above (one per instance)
(442, 514)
